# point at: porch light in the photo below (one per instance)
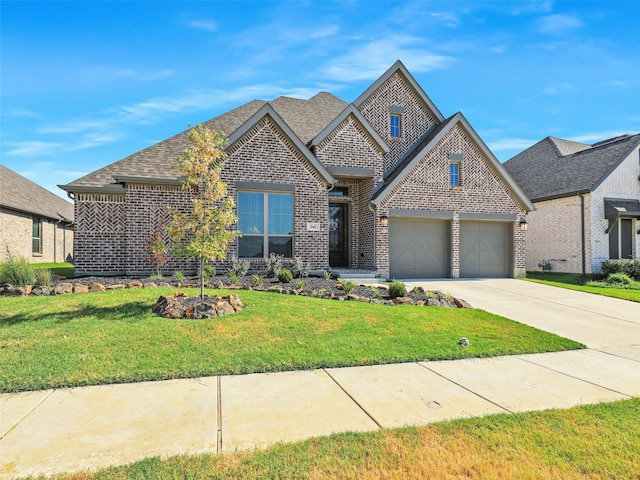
(384, 220)
(524, 225)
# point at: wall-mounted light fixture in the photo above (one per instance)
(384, 220)
(523, 225)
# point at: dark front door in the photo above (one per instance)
(621, 238)
(338, 235)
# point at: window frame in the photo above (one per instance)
(267, 216)
(36, 240)
(397, 128)
(458, 180)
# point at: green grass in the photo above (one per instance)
(63, 269)
(593, 441)
(574, 281)
(112, 337)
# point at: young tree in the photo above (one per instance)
(203, 233)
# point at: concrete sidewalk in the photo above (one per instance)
(62, 430)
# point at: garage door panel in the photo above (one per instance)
(485, 249)
(418, 248)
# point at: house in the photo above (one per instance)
(587, 200)
(385, 184)
(35, 224)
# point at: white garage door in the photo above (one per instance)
(419, 248)
(485, 249)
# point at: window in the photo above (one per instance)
(454, 174)
(339, 192)
(266, 223)
(36, 236)
(395, 126)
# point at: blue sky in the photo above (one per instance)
(86, 83)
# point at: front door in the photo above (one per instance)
(338, 235)
(621, 238)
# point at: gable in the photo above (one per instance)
(428, 169)
(397, 91)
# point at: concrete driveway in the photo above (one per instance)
(598, 322)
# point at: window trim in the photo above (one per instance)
(265, 235)
(393, 127)
(458, 178)
(38, 239)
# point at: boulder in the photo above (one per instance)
(358, 298)
(80, 288)
(98, 287)
(16, 291)
(135, 284)
(63, 288)
(42, 291)
(403, 301)
(117, 286)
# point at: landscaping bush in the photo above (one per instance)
(273, 265)
(299, 269)
(43, 277)
(347, 286)
(238, 268)
(618, 279)
(285, 276)
(630, 267)
(397, 289)
(16, 271)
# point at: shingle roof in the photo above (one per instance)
(20, 193)
(306, 118)
(544, 172)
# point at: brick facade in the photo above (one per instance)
(17, 231)
(114, 229)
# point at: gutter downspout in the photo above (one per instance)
(582, 232)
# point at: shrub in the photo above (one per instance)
(630, 267)
(209, 271)
(326, 274)
(299, 269)
(347, 286)
(257, 280)
(16, 271)
(273, 265)
(239, 268)
(618, 279)
(300, 284)
(180, 276)
(397, 289)
(233, 277)
(43, 277)
(285, 276)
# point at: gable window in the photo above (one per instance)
(266, 223)
(36, 236)
(454, 174)
(395, 126)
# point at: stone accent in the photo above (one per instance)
(180, 306)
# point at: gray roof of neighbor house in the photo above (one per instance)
(305, 118)
(21, 194)
(554, 168)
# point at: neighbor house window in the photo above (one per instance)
(266, 223)
(454, 173)
(395, 126)
(36, 235)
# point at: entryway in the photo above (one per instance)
(338, 235)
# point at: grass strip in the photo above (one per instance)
(587, 442)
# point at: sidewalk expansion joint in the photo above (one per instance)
(27, 413)
(466, 388)
(360, 406)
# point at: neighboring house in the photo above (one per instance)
(385, 184)
(587, 200)
(34, 223)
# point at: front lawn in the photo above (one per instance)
(112, 337)
(593, 441)
(574, 281)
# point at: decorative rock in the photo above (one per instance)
(403, 301)
(98, 287)
(117, 286)
(63, 288)
(223, 308)
(181, 306)
(420, 303)
(234, 301)
(464, 342)
(164, 285)
(150, 285)
(358, 298)
(42, 291)
(16, 291)
(80, 288)
(461, 303)
(418, 289)
(134, 284)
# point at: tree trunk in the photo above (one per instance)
(201, 276)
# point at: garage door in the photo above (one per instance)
(485, 249)
(418, 248)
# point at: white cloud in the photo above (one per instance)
(510, 144)
(595, 137)
(23, 113)
(206, 25)
(533, 6)
(32, 148)
(448, 19)
(370, 60)
(558, 24)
